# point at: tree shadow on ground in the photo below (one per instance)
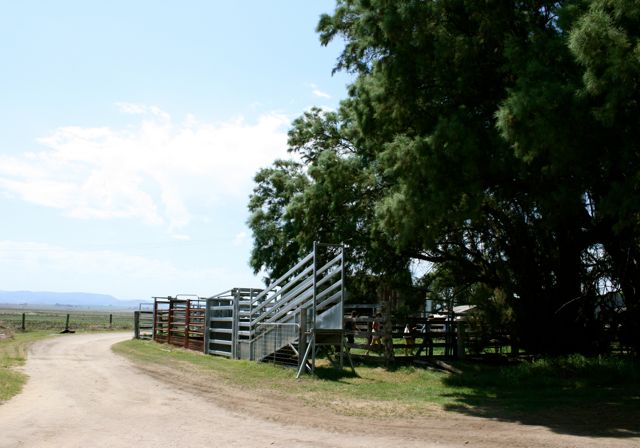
(585, 401)
(331, 373)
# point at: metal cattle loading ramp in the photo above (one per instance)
(286, 323)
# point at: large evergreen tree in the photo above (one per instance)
(496, 139)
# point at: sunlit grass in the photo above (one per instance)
(13, 354)
(418, 389)
(409, 391)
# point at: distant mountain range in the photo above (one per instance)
(65, 299)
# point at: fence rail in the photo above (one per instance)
(426, 337)
(28, 320)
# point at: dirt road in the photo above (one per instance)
(82, 395)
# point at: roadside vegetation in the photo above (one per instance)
(572, 390)
(13, 354)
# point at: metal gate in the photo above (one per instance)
(179, 321)
(228, 318)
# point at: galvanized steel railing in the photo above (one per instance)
(311, 283)
(255, 324)
(227, 315)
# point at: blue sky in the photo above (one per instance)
(130, 132)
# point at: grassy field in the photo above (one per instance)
(55, 319)
(566, 391)
(13, 354)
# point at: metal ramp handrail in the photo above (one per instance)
(301, 289)
(303, 300)
(315, 288)
(253, 324)
(283, 279)
(286, 302)
(288, 291)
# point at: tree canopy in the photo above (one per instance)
(497, 140)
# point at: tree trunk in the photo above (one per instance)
(387, 298)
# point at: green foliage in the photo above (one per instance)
(328, 198)
(274, 231)
(498, 141)
(606, 44)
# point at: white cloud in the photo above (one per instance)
(41, 266)
(131, 108)
(142, 109)
(319, 93)
(154, 170)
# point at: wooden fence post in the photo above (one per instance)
(136, 324)
(460, 339)
(24, 318)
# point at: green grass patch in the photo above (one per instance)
(597, 396)
(373, 390)
(13, 354)
(567, 392)
(561, 383)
